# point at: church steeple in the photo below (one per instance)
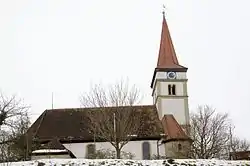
(167, 59)
(169, 83)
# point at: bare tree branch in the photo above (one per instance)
(236, 144)
(10, 109)
(213, 135)
(116, 120)
(239, 144)
(209, 130)
(14, 122)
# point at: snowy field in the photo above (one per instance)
(112, 162)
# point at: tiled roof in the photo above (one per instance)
(53, 147)
(72, 124)
(172, 129)
(54, 144)
(167, 57)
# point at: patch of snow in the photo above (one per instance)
(49, 151)
(112, 162)
(132, 135)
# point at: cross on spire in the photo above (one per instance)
(167, 58)
(163, 9)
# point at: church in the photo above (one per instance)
(166, 121)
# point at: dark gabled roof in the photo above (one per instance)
(172, 129)
(71, 124)
(53, 147)
(54, 144)
(240, 155)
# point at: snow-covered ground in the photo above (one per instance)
(49, 151)
(112, 162)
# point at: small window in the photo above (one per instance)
(146, 150)
(173, 90)
(179, 147)
(169, 90)
(90, 151)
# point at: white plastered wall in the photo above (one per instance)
(175, 107)
(135, 147)
(177, 104)
(62, 156)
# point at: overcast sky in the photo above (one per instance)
(63, 46)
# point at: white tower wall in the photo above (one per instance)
(166, 103)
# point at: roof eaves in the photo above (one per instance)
(177, 139)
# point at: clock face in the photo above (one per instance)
(171, 75)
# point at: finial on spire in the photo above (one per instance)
(52, 103)
(163, 9)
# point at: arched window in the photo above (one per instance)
(145, 150)
(179, 147)
(90, 151)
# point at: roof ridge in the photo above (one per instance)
(152, 105)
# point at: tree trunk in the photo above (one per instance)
(118, 153)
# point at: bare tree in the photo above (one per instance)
(10, 110)
(14, 122)
(4, 150)
(210, 133)
(19, 145)
(237, 144)
(116, 121)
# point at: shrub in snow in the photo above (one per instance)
(40, 164)
(110, 154)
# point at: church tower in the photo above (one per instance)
(169, 82)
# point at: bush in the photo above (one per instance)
(111, 154)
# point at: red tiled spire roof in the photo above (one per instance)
(167, 57)
(172, 129)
